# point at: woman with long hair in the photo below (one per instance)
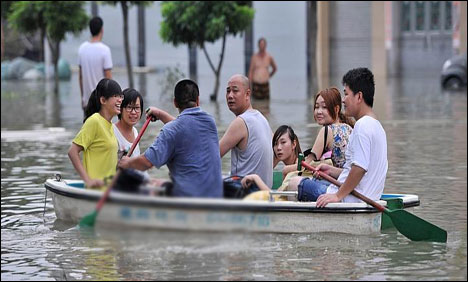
(96, 138)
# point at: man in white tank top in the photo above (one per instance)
(249, 135)
(94, 60)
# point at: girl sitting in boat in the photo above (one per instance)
(286, 149)
(96, 138)
(124, 128)
(327, 112)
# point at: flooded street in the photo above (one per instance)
(427, 151)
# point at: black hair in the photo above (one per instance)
(106, 88)
(282, 130)
(361, 79)
(260, 40)
(186, 93)
(130, 97)
(95, 25)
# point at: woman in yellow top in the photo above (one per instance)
(96, 138)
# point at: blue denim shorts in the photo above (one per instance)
(309, 189)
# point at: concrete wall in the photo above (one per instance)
(350, 38)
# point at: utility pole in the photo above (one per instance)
(94, 9)
(312, 82)
(248, 45)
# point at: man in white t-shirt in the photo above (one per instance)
(94, 60)
(366, 155)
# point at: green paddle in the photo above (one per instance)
(411, 226)
(90, 219)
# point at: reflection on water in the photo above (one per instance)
(427, 151)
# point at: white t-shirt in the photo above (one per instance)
(124, 145)
(367, 148)
(94, 58)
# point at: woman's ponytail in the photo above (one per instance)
(93, 106)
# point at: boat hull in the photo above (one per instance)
(72, 204)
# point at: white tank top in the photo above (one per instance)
(257, 157)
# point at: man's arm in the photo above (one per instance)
(163, 116)
(140, 163)
(108, 73)
(234, 135)
(251, 68)
(74, 155)
(355, 175)
(273, 65)
(80, 79)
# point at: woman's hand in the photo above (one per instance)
(288, 168)
(94, 183)
(248, 180)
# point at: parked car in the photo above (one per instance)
(454, 72)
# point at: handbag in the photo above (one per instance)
(233, 188)
(325, 154)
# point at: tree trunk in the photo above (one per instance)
(127, 48)
(3, 41)
(216, 87)
(192, 50)
(55, 50)
(43, 34)
(216, 71)
(141, 36)
(312, 77)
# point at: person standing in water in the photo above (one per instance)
(259, 71)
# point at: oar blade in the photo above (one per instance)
(416, 228)
(89, 220)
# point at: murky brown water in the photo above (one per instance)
(427, 149)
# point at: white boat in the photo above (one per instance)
(72, 202)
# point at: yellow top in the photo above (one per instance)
(100, 147)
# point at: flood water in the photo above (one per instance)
(427, 150)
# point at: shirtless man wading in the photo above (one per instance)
(259, 71)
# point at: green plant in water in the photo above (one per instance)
(168, 81)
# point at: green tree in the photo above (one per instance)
(197, 22)
(5, 12)
(27, 17)
(125, 5)
(57, 19)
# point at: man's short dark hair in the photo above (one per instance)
(361, 79)
(186, 93)
(95, 25)
(260, 40)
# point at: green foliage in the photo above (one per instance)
(57, 18)
(27, 16)
(129, 3)
(6, 8)
(63, 17)
(197, 22)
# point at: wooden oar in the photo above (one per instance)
(90, 219)
(411, 226)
